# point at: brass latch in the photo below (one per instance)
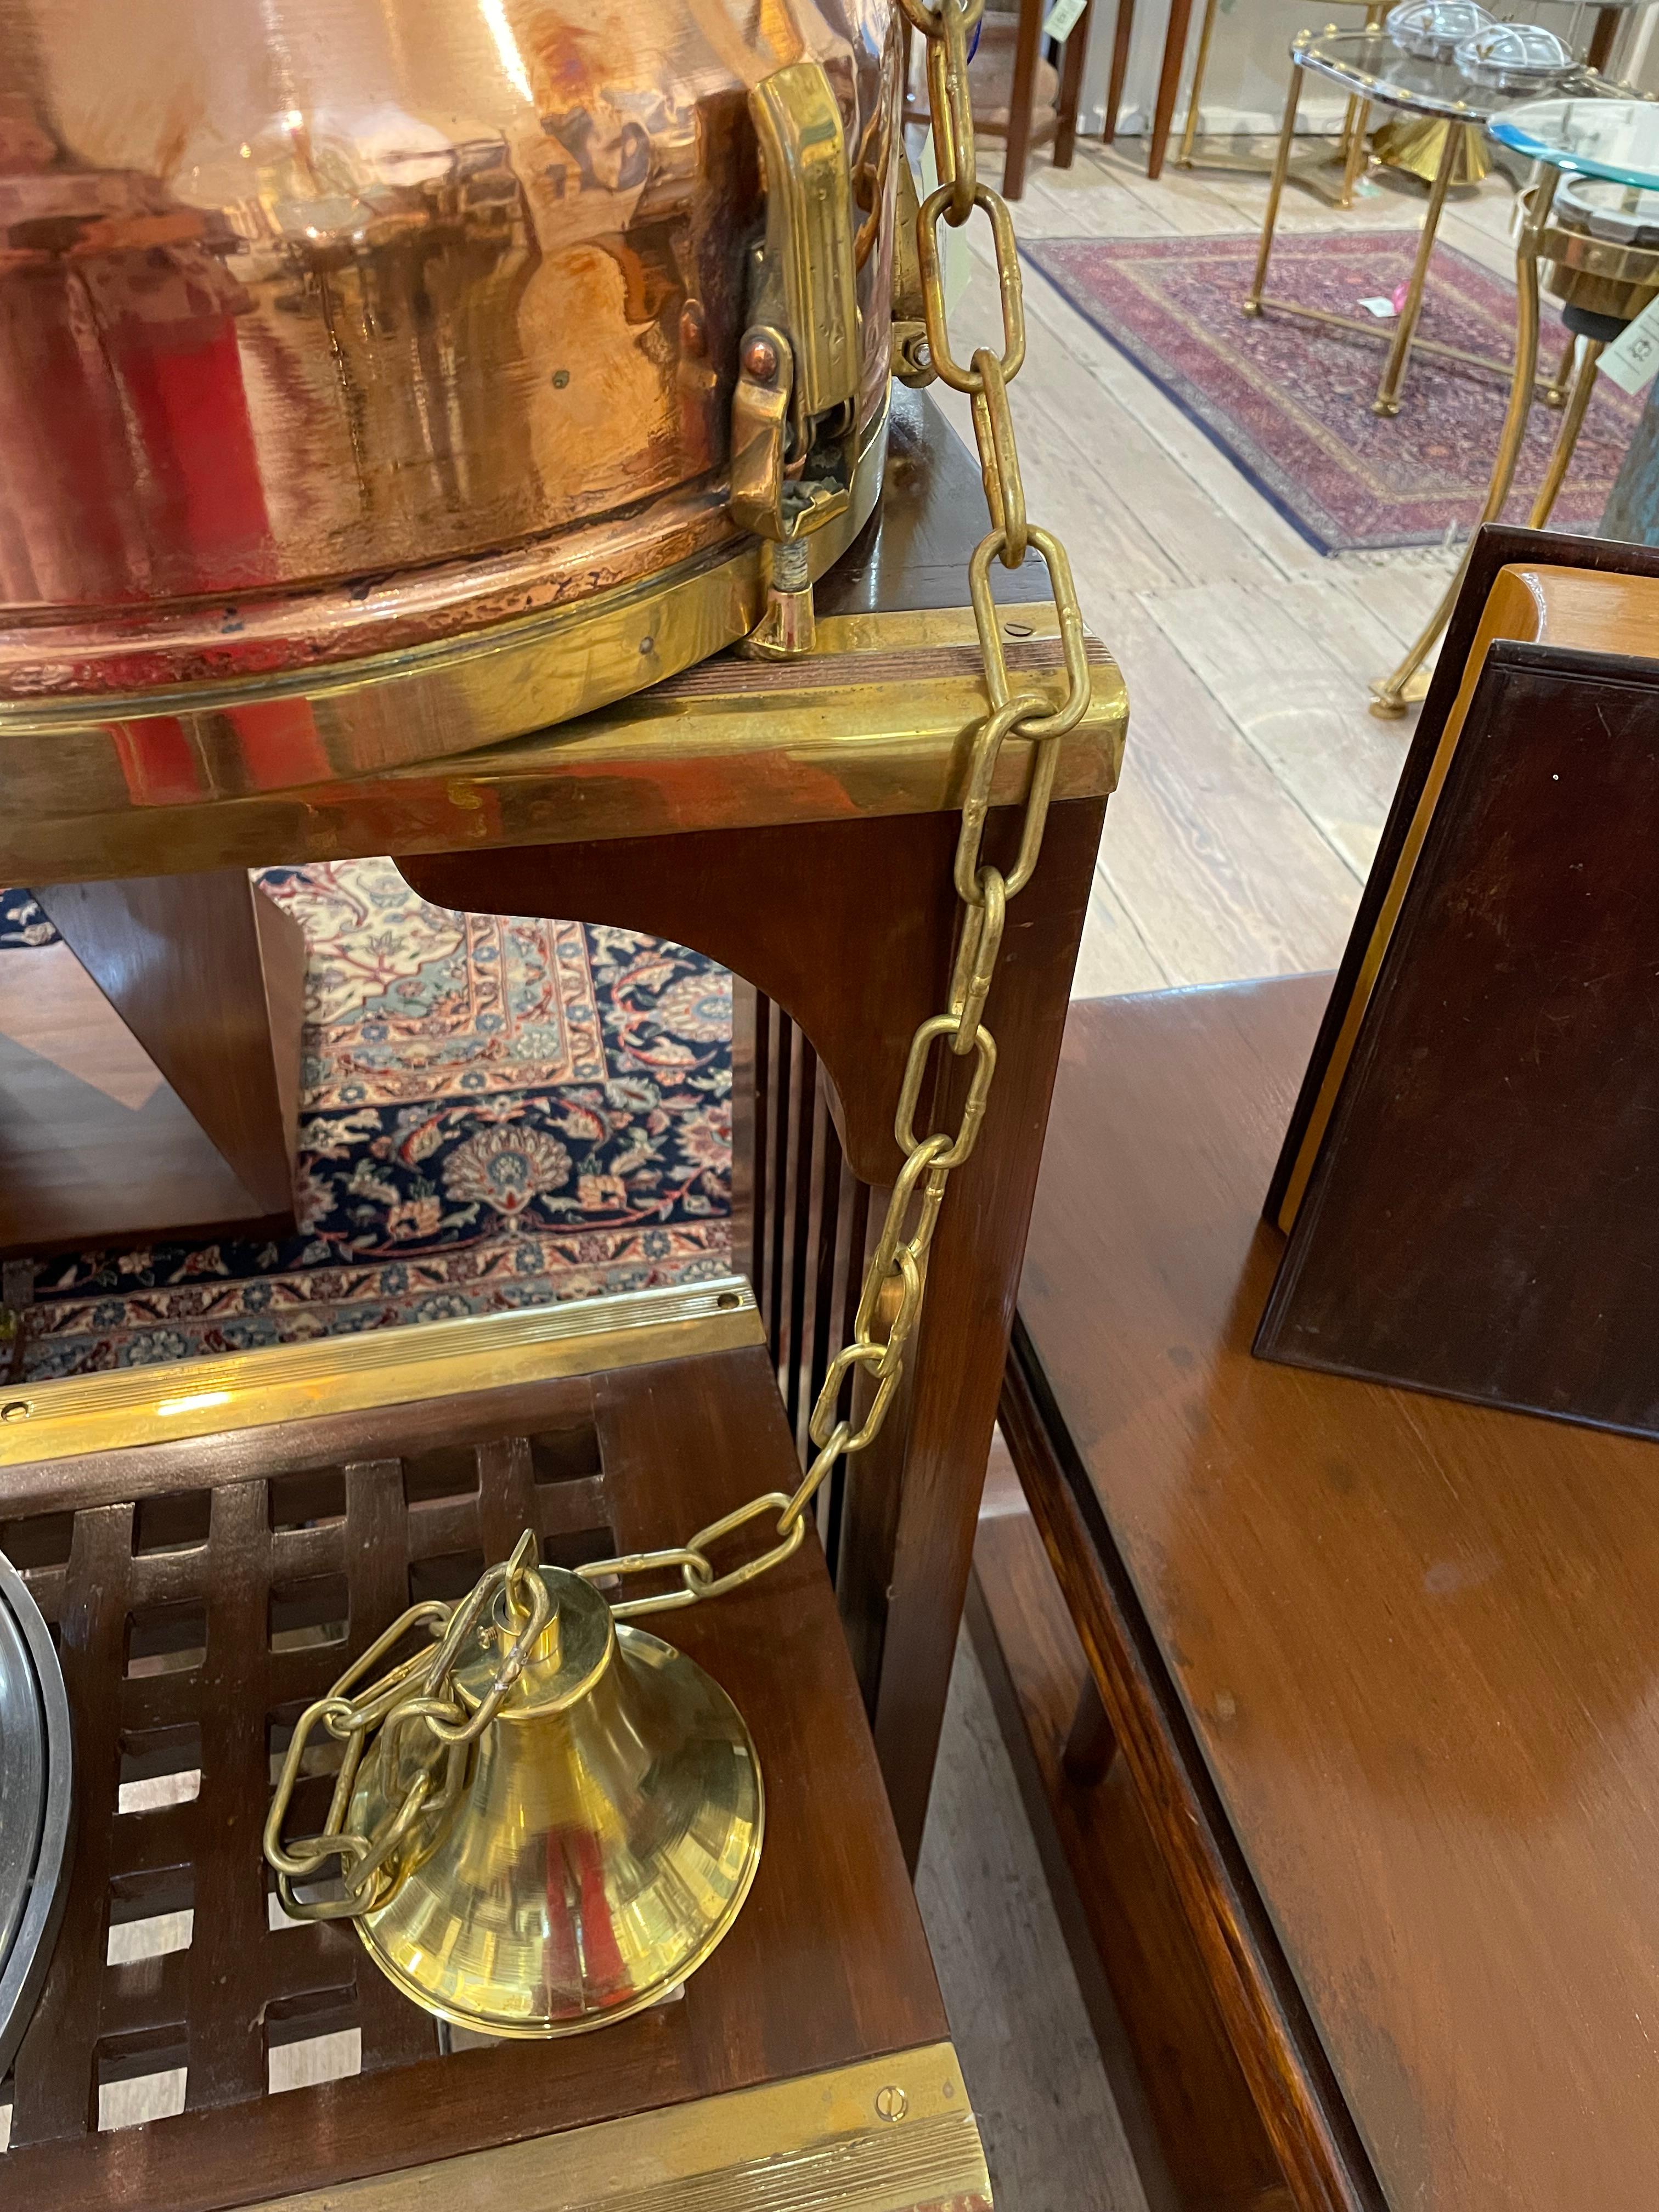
(794, 411)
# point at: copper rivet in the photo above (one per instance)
(760, 359)
(892, 2104)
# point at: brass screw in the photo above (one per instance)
(760, 359)
(892, 2103)
(15, 1409)
(561, 378)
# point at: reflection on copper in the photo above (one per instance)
(327, 325)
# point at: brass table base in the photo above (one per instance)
(1578, 263)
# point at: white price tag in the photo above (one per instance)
(1062, 19)
(1382, 309)
(1633, 356)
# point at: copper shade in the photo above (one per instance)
(343, 330)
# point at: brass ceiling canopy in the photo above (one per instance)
(406, 347)
(545, 1822)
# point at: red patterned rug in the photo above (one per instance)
(1290, 403)
(497, 1113)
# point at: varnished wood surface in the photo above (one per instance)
(1569, 578)
(849, 926)
(210, 979)
(94, 1145)
(1481, 1217)
(1408, 1752)
(1206, 2148)
(826, 1964)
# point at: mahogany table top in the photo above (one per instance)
(1412, 1637)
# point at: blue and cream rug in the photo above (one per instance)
(496, 1113)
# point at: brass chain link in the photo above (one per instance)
(896, 1278)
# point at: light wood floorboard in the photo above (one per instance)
(1257, 780)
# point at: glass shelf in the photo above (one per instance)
(1618, 139)
(1369, 63)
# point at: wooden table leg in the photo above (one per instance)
(1169, 85)
(1600, 51)
(1071, 89)
(858, 964)
(1028, 40)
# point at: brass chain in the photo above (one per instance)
(896, 1277)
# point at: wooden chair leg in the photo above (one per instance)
(1123, 31)
(1091, 1746)
(1029, 39)
(1071, 89)
(1169, 85)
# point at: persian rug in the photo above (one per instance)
(496, 1113)
(1289, 401)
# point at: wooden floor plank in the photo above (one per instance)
(1289, 662)
(1225, 873)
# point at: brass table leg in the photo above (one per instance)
(1387, 401)
(1566, 437)
(1355, 124)
(1391, 696)
(1555, 392)
(1275, 191)
(1189, 129)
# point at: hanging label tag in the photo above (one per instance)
(1633, 356)
(1063, 18)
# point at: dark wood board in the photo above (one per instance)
(1379, 1661)
(1495, 548)
(1483, 1210)
(1197, 2138)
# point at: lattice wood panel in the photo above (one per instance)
(194, 1627)
(194, 1623)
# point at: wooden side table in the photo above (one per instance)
(797, 822)
(1365, 1820)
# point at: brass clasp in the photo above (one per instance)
(794, 410)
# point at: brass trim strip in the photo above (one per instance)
(876, 721)
(586, 628)
(800, 2146)
(132, 1405)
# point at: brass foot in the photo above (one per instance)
(1391, 699)
(1252, 307)
(1385, 406)
(789, 626)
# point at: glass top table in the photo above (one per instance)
(1369, 63)
(1585, 136)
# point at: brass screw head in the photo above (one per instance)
(892, 2103)
(760, 359)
